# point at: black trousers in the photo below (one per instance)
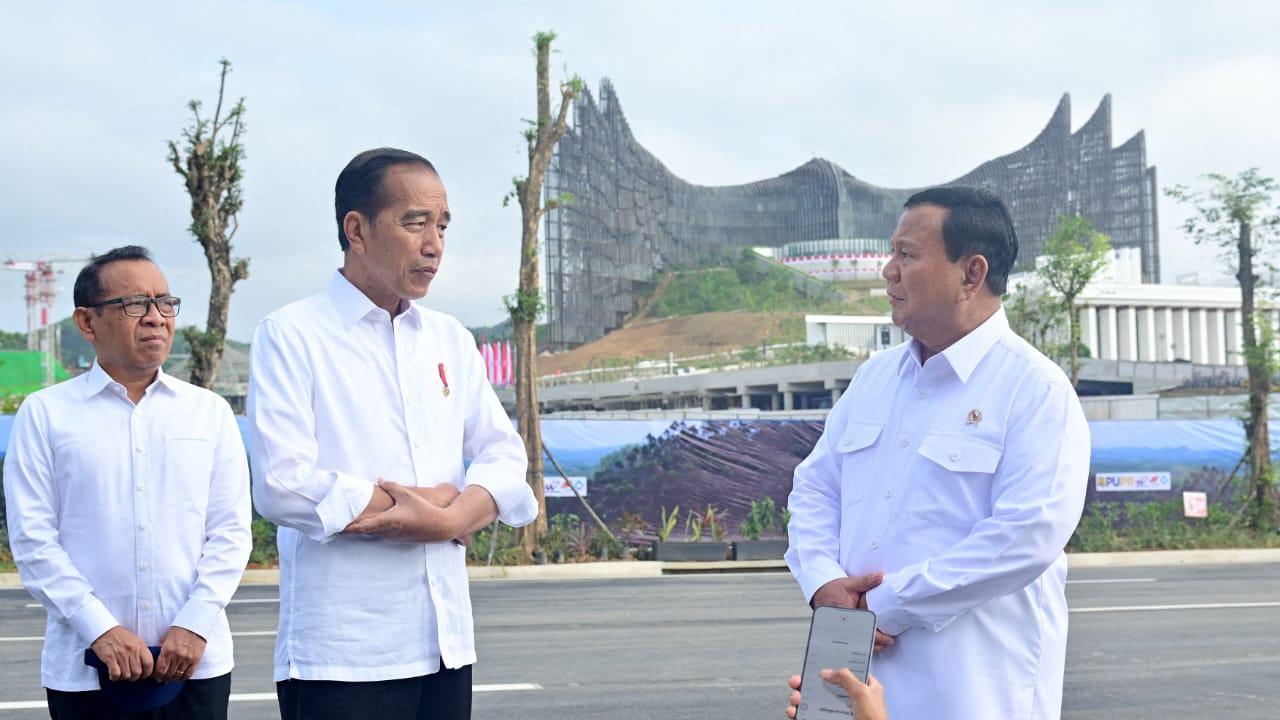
(198, 700)
(445, 695)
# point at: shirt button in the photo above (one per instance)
(417, 443)
(138, 448)
(954, 456)
(904, 442)
(139, 487)
(875, 544)
(922, 394)
(144, 567)
(142, 526)
(888, 493)
(144, 606)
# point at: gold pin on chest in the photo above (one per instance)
(444, 380)
(975, 417)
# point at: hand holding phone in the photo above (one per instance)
(838, 638)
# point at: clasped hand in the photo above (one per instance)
(415, 515)
(851, 592)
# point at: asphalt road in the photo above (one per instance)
(721, 646)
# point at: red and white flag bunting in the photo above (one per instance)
(498, 363)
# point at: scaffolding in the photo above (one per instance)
(630, 217)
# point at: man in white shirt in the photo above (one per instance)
(364, 407)
(127, 495)
(956, 465)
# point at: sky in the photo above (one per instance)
(898, 94)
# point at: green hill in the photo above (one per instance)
(745, 281)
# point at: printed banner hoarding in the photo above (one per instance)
(1133, 482)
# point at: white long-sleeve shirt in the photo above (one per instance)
(962, 480)
(340, 395)
(127, 515)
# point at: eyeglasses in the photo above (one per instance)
(139, 305)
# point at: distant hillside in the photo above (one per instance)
(745, 282)
(76, 352)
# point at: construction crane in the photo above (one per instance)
(41, 294)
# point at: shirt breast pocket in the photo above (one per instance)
(856, 451)
(189, 466)
(954, 484)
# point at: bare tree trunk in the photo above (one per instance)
(210, 169)
(1073, 338)
(527, 306)
(1257, 361)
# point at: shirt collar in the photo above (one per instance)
(964, 354)
(97, 380)
(353, 305)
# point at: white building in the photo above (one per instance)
(1124, 319)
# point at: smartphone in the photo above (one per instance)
(838, 638)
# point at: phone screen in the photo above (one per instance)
(838, 638)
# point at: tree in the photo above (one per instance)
(526, 305)
(1036, 316)
(210, 166)
(1074, 254)
(1241, 216)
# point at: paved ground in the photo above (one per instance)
(721, 646)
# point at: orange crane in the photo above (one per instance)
(41, 293)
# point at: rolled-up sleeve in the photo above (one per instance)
(1037, 496)
(288, 488)
(228, 538)
(31, 509)
(813, 534)
(493, 448)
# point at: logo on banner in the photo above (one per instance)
(1133, 482)
(559, 487)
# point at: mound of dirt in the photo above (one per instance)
(703, 334)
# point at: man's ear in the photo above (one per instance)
(975, 274)
(356, 226)
(81, 318)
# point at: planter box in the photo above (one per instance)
(759, 549)
(689, 551)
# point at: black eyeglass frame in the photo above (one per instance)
(146, 301)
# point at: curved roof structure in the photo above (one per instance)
(631, 217)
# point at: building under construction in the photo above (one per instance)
(630, 217)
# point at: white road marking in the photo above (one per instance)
(1157, 608)
(234, 601)
(1105, 581)
(270, 696)
(38, 638)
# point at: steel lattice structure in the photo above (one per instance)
(630, 217)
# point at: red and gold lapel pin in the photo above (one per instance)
(443, 380)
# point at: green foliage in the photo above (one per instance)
(13, 340)
(507, 549)
(1122, 527)
(1036, 316)
(786, 520)
(631, 526)
(1219, 212)
(693, 526)
(668, 523)
(1074, 254)
(265, 551)
(762, 518)
(524, 306)
(737, 281)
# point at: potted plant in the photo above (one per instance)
(760, 521)
(693, 549)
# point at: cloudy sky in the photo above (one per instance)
(899, 94)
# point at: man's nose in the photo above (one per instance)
(888, 271)
(153, 316)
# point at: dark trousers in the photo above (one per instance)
(198, 700)
(445, 695)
